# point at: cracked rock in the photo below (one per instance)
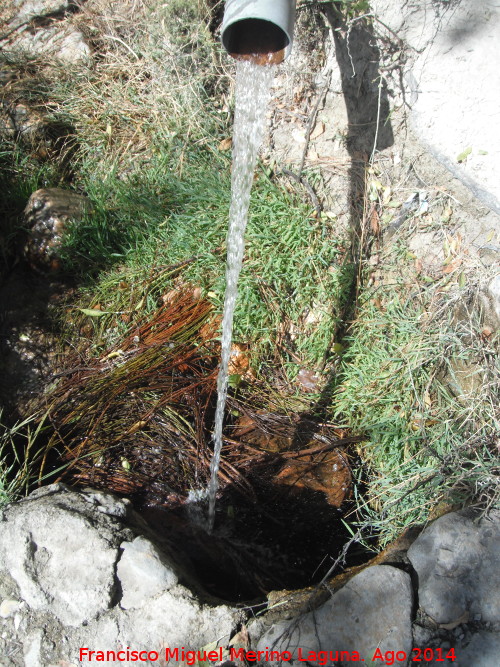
(76, 571)
(373, 610)
(51, 548)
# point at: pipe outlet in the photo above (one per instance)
(258, 30)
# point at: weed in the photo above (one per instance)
(154, 221)
(20, 455)
(347, 8)
(424, 444)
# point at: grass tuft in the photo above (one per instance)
(424, 445)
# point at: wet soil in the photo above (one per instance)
(29, 340)
(286, 538)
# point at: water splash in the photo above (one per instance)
(253, 85)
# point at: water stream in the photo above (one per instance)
(253, 85)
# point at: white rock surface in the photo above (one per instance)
(493, 295)
(59, 40)
(57, 558)
(90, 580)
(142, 573)
(482, 651)
(453, 83)
(29, 8)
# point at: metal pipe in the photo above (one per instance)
(258, 30)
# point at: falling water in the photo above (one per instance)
(253, 84)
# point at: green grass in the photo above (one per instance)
(293, 275)
(424, 445)
(20, 455)
(148, 117)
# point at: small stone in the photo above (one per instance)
(421, 635)
(47, 215)
(9, 607)
(33, 649)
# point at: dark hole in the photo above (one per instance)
(254, 36)
(285, 540)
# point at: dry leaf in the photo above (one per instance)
(241, 640)
(318, 130)
(375, 222)
(451, 626)
(239, 361)
(455, 244)
(225, 144)
(308, 379)
(114, 354)
(93, 312)
(136, 427)
(452, 265)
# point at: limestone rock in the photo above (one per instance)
(449, 79)
(27, 9)
(142, 573)
(17, 120)
(58, 559)
(27, 30)
(482, 651)
(33, 648)
(62, 43)
(70, 561)
(373, 610)
(457, 561)
(47, 214)
(491, 306)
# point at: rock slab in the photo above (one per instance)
(372, 611)
(142, 572)
(457, 560)
(57, 558)
(452, 83)
(42, 27)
